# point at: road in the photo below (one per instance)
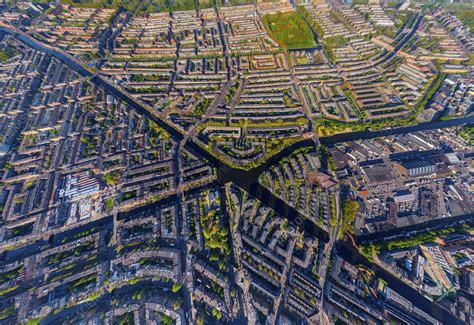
(424, 226)
(220, 27)
(402, 42)
(225, 172)
(248, 180)
(425, 126)
(350, 253)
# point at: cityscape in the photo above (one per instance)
(237, 162)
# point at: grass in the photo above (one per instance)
(273, 146)
(401, 18)
(156, 133)
(10, 275)
(7, 53)
(327, 127)
(176, 287)
(109, 204)
(302, 60)
(6, 312)
(138, 6)
(202, 107)
(433, 235)
(467, 133)
(336, 41)
(349, 212)
(471, 58)
(112, 178)
(91, 3)
(332, 42)
(34, 321)
(7, 290)
(289, 30)
(430, 91)
(465, 13)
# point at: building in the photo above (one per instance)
(468, 281)
(404, 196)
(418, 270)
(416, 167)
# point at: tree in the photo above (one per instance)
(200, 320)
(176, 287)
(349, 212)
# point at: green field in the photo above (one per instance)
(289, 30)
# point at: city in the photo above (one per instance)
(236, 162)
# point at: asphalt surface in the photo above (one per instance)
(248, 180)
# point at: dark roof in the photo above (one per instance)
(416, 163)
(409, 155)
